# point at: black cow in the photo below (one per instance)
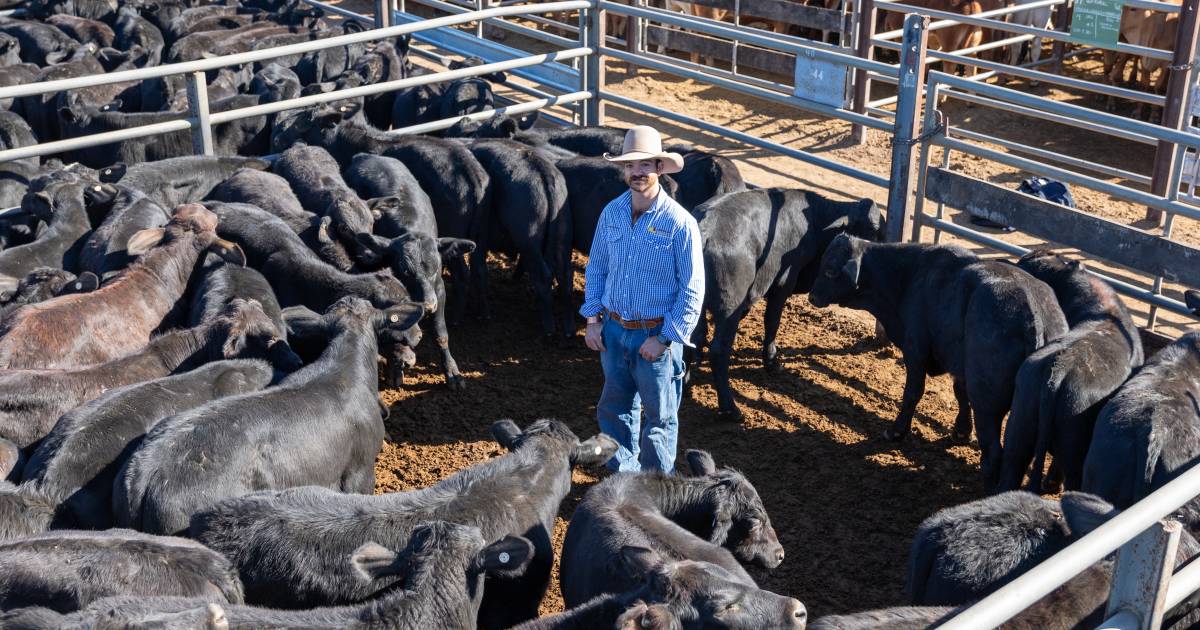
(307, 532)
(67, 570)
(41, 44)
(68, 479)
(16, 74)
(84, 30)
(326, 418)
(949, 312)
(43, 283)
(445, 99)
(1149, 432)
(39, 109)
(132, 30)
(60, 206)
(705, 176)
(765, 243)
(442, 570)
(673, 595)
(1061, 387)
(701, 517)
(455, 181)
(210, 616)
(315, 178)
(178, 180)
(565, 142)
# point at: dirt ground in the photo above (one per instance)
(844, 501)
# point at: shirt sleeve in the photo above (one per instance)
(596, 272)
(681, 320)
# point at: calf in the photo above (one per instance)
(678, 594)
(442, 569)
(104, 252)
(949, 312)
(91, 328)
(309, 570)
(15, 74)
(701, 517)
(272, 193)
(60, 206)
(132, 29)
(1149, 432)
(967, 552)
(179, 180)
(300, 278)
(69, 478)
(34, 399)
(220, 284)
(67, 570)
(84, 30)
(582, 141)
(528, 217)
(705, 176)
(41, 44)
(44, 283)
(454, 179)
(1061, 387)
(765, 242)
(316, 180)
(328, 414)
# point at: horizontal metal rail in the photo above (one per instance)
(520, 108)
(1009, 27)
(1021, 593)
(1076, 111)
(1185, 582)
(1043, 115)
(729, 31)
(525, 31)
(1002, 11)
(1111, 171)
(1165, 7)
(730, 134)
(1033, 75)
(94, 140)
(203, 65)
(1072, 177)
(345, 13)
(732, 85)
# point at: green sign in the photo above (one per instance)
(1096, 22)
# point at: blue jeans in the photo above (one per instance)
(633, 385)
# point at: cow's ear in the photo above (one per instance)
(323, 230)
(852, 269)
(528, 121)
(67, 114)
(372, 561)
(228, 250)
(496, 77)
(9, 456)
(303, 322)
(507, 433)
(113, 105)
(508, 127)
(722, 522)
(700, 463)
(350, 109)
(1085, 512)
(379, 205)
(402, 316)
(594, 451)
(86, 282)
(507, 557)
(114, 173)
(402, 44)
(143, 241)
(639, 562)
(372, 248)
(450, 248)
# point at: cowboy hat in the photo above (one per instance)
(644, 143)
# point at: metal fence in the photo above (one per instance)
(574, 77)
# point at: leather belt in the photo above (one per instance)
(635, 324)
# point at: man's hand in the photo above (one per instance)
(652, 349)
(594, 336)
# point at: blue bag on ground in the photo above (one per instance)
(1048, 189)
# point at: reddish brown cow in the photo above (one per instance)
(952, 38)
(85, 329)
(1152, 29)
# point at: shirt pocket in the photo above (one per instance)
(657, 259)
(612, 240)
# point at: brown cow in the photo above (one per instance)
(1152, 29)
(951, 38)
(85, 329)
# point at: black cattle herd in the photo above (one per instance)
(189, 392)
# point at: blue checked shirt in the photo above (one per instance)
(654, 268)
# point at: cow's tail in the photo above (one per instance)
(1047, 402)
(920, 566)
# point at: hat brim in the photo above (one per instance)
(672, 162)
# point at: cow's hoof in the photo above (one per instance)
(1050, 486)
(730, 415)
(773, 366)
(961, 437)
(892, 435)
(456, 383)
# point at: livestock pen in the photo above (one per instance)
(580, 89)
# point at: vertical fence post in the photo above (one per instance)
(479, 6)
(197, 92)
(863, 50)
(1062, 23)
(912, 76)
(1175, 111)
(1143, 570)
(633, 37)
(383, 16)
(595, 67)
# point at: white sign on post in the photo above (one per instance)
(820, 81)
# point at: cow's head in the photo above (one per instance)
(1049, 267)
(246, 331)
(555, 435)
(740, 522)
(839, 277)
(701, 594)
(188, 220)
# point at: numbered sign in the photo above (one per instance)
(1096, 22)
(821, 81)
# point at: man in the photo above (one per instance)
(642, 299)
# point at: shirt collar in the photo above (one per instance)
(660, 200)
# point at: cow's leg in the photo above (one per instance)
(962, 422)
(776, 300)
(454, 378)
(693, 356)
(914, 388)
(724, 334)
